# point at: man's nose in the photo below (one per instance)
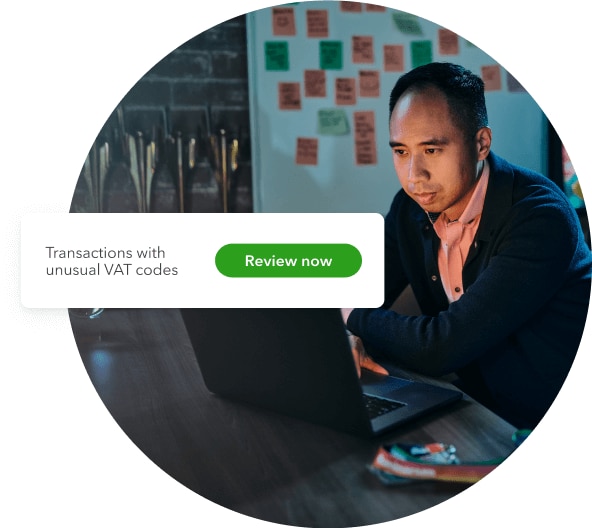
(416, 169)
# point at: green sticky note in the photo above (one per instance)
(332, 122)
(421, 52)
(407, 23)
(331, 54)
(276, 56)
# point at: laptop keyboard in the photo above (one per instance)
(379, 406)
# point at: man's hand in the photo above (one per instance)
(362, 359)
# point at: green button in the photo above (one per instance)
(288, 260)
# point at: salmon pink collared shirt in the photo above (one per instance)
(456, 237)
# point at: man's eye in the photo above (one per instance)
(399, 152)
(431, 150)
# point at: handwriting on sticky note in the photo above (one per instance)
(276, 56)
(315, 83)
(307, 151)
(369, 81)
(364, 125)
(331, 54)
(492, 77)
(362, 50)
(332, 122)
(283, 22)
(317, 23)
(365, 138)
(289, 96)
(394, 58)
(345, 91)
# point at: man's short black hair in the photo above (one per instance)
(464, 91)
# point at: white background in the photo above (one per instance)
(65, 67)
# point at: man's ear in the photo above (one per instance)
(483, 139)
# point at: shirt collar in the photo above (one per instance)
(475, 206)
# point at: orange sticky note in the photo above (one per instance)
(365, 138)
(289, 96)
(394, 58)
(447, 42)
(351, 7)
(315, 83)
(283, 21)
(345, 91)
(307, 151)
(373, 8)
(492, 77)
(317, 23)
(369, 83)
(362, 50)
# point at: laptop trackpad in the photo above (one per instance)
(381, 385)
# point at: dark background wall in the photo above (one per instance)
(188, 98)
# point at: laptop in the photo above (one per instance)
(298, 362)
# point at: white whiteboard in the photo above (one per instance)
(336, 183)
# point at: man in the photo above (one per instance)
(494, 254)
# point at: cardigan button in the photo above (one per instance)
(434, 278)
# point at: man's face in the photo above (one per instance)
(435, 162)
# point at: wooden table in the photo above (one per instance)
(252, 461)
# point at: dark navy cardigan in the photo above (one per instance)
(512, 337)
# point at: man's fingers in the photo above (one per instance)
(369, 364)
(362, 360)
(357, 361)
